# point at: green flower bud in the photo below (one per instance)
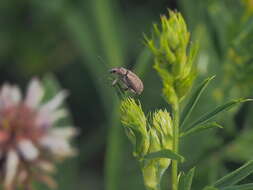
(160, 135)
(155, 143)
(173, 57)
(147, 139)
(163, 124)
(134, 120)
(152, 171)
(150, 175)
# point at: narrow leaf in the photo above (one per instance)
(186, 180)
(181, 179)
(235, 176)
(165, 154)
(194, 100)
(248, 186)
(200, 128)
(206, 117)
(210, 188)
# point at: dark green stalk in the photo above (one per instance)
(175, 113)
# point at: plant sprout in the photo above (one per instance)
(155, 136)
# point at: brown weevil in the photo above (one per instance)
(129, 79)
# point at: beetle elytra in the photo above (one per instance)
(129, 79)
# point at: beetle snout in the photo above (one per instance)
(112, 71)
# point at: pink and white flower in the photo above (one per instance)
(30, 141)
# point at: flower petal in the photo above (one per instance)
(28, 150)
(34, 94)
(15, 94)
(12, 161)
(10, 95)
(54, 103)
(4, 136)
(57, 146)
(64, 132)
(47, 119)
(5, 90)
(46, 166)
(58, 114)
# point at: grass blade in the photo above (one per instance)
(206, 117)
(181, 182)
(194, 100)
(165, 154)
(235, 176)
(210, 188)
(200, 128)
(248, 186)
(186, 180)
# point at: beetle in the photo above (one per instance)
(129, 79)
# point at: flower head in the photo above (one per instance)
(29, 142)
(148, 137)
(134, 120)
(173, 56)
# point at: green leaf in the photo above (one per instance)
(193, 100)
(235, 176)
(186, 180)
(210, 188)
(200, 128)
(206, 117)
(248, 186)
(51, 85)
(181, 178)
(165, 154)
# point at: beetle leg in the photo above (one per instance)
(132, 90)
(126, 89)
(125, 77)
(115, 82)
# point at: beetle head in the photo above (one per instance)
(118, 70)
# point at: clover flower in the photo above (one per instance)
(29, 140)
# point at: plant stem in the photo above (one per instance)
(155, 188)
(175, 114)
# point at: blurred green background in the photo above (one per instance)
(76, 42)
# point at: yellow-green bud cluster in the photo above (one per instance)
(148, 137)
(173, 56)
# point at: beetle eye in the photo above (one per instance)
(113, 71)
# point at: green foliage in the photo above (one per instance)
(208, 116)
(235, 176)
(228, 182)
(210, 188)
(185, 180)
(193, 101)
(66, 37)
(152, 141)
(239, 187)
(200, 128)
(166, 153)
